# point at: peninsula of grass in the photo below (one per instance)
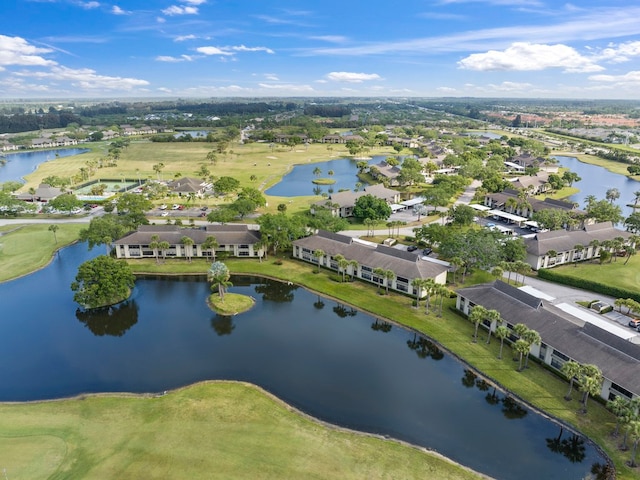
(230, 304)
(29, 247)
(323, 181)
(209, 430)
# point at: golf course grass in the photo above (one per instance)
(29, 247)
(205, 431)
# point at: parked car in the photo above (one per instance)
(163, 207)
(175, 207)
(412, 248)
(427, 251)
(164, 214)
(204, 209)
(634, 323)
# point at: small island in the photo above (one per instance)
(230, 304)
(323, 181)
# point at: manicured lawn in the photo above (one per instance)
(537, 385)
(615, 274)
(30, 247)
(243, 162)
(209, 430)
(231, 304)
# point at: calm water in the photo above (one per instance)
(298, 181)
(597, 180)
(20, 164)
(325, 358)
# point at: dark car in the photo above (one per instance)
(204, 209)
(634, 323)
(412, 248)
(427, 251)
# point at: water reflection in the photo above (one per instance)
(222, 325)
(511, 409)
(425, 348)
(572, 448)
(273, 291)
(344, 311)
(114, 320)
(381, 326)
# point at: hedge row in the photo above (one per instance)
(615, 292)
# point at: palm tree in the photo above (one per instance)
(612, 195)
(158, 168)
(209, 245)
(429, 286)
(577, 248)
(343, 263)
(552, 254)
(532, 338)
(443, 292)
(164, 246)
(187, 243)
(218, 275)
(590, 383)
(619, 406)
(154, 245)
(317, 171)
(318, 254)
(54, 228)
(354, 267)
(570, 369)
(418, 285)
(521, 347)
(501, 333)
(495, 319)
(378, 275)
(633, 430)
(476, 316)
(389, 276)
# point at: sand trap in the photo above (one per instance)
(272, 158)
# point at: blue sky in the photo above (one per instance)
(262, 48)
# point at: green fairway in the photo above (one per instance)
(209, 430)
(26, 248)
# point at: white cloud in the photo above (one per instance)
(161, 20)
(195, 2)
(116, 10)
(89, 5)
(628, 79)
(87, 79)
(242, 48)
(213, 51)
(352, 77)
(182, 38)
(17, 51)
(620, 53)
(180, 10)
(331, 38)
(271, 76)
(524, 56)
(170, 59)
(511, 87)
(446, 90)
(284, 87)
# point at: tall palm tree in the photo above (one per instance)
(378, 276)
(521, 347)
(577, 248)
(570, 369)
(219, 275)
(343, 264)
(354, 268)
(619, 407)
(477, 316)
(418, 285)
(633, 430)
(164, 246)
(209, 245)
(501, 333)
(590, 383)
(318, 254)
(389, 276)
(495, 319)
(187, 243)
(54, 228)
(154, 245)
(532, 338)
(429, 286)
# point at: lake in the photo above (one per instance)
(597, 180)
(20, 164)
(325, 358)
(298, 183)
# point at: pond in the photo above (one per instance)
(597, 180)
(298, 182)
(327, 359)
(20, 164)
(198, 134)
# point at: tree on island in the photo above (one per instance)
(102, 281)
(219, 275)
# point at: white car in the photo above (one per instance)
(163, 207)
(164, 214)
(175, 207)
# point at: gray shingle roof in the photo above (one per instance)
(565, 240)
(224, 234)
(618, 359)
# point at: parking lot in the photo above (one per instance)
(178, 211)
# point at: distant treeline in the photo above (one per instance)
(235, 108)
(26, 122)
(332, 111)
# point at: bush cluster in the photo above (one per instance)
(585, 284)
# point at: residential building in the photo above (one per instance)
(406, 266)
(585, 339)
(187, 185)
(511, 201)
(234, 239)
(567, 246)
(43, 193)
(341, 204)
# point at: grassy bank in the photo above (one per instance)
(615, 167)
(29, 247)
(209, 430)
(541, 388)
(614, 273)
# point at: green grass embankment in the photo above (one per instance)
(29, 247)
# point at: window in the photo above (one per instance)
(365, 269)
(402, 280)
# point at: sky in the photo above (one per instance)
(322, 48)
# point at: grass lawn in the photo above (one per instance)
(541, 388)
(615, 274)
(30, 247)
(208, 430)
(243, 162)
(231, 304)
